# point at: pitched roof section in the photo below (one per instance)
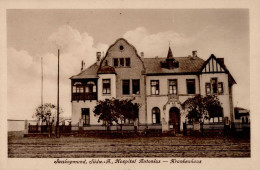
(90, 72)
(212, 69)
(169, 56)
(186, 65)
(106, 70)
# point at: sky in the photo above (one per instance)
(79, 34)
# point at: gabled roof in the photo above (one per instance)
(186, 65)
(90, 72)
(221, 63)
(119, 39)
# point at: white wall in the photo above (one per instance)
(16, 125)
(112, 78)
(76, 111)
(163, 83)
(223, 98)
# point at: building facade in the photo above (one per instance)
(159, 85)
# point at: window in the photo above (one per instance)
(155, 87)
(214, 85)
(220, 88)
(115, 62)
(122, 62)
(172, 86)
(85, 116)
(127, 62)
(106, 86)
(91, 87)
(190, 86)
(136, 86)
(121, 47)
(126, 86)
(156, 115)
(77, 87)
(208, 90)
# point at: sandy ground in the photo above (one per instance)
(78, 147)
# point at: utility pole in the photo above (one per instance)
(41, 87)
(58, 102)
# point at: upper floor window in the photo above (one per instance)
(78, 88)
(106, 86)
(126, 87)
(190, 86)
(155, 87)
(220, 88)
(214, 85)
(208, 89)
(122, 62)
(115, 62)
(173, 86)
(91, 87)
(136, 86)
(127, 62)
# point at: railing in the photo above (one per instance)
(84, 96)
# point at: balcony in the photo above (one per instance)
(84, 96)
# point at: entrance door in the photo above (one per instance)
(174, 119)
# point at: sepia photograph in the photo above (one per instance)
(128, 83)
(120, 85)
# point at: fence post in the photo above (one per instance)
(26, 127)
(201, 128)
(37, 128)
(184, 129)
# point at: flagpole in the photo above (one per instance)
(41, 87)
(58, 103)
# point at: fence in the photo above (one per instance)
(96, 128)
(215, 128)
(241, 127)
(47, 129)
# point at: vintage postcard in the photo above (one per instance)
(127, 87)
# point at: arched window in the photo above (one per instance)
(77, 87)
(91, 87)
(156, 115)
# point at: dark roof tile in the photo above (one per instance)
(186, 65)
(90, 72)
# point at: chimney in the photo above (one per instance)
(194, 54)
(221, 60)
(82, 65)
(98, 57)
(142, 55)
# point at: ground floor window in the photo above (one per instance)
(156, 115)
(216, 119)
(85, 116)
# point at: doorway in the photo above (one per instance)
(174, 119)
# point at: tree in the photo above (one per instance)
(213, 106)
(46, 113)
(113, 110)
(200, 107)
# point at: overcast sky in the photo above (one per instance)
(32, 34)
